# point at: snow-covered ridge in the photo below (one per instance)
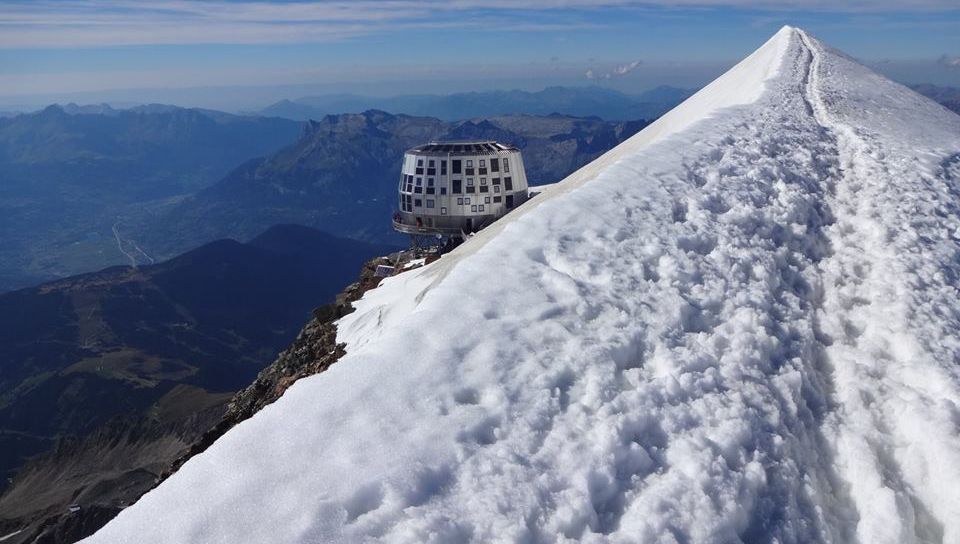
(741, 324)
(742, 84)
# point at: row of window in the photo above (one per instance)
(408, 203)
(457, 166)
(411, 184)
(486, 200)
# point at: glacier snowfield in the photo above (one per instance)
(739, 325)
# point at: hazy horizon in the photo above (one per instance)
(245, 55)
(252, 98)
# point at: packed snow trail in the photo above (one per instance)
(739, 325)
(890, 309)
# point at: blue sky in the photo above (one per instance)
(193, 51)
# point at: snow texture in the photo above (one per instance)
(739, 325)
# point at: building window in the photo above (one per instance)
(469, 171)
(484, 189)
(483, 171)
(460, 201)
(419, 170)
(455, 166)
(508, 183)
(429, 203)
(418, 189)
(431, 164)
(469, 182)
(419, 162)
(495, 181)
(483, 181)
(443, 191)
(506, 165)
(483, 163)
(417, 203)
(473, 208)
(469, 163)
(496, 188)
(419, 182)
(443, 211)
(466, 200)
(431, 171)
(471, 189)
(486, 200)
(494, 165)
(480, 207)
(498, 199)
(457, 186)
(443, 168)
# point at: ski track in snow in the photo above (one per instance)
(745, 330)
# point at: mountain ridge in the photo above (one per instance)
(600, 102)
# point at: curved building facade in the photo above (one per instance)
(452, 187)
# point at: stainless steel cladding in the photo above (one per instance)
(449, 188)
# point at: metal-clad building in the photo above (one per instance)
(448, 188)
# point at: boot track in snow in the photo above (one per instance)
(885, 459)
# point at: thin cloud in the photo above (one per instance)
(951, 62)
(89, 23)
(618, 71)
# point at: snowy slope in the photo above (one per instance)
(741, 324)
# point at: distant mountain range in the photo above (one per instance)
(341, 175)
(113, 373)
(101, 186)
(66, 173)
(576, 101)
(83, 187)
